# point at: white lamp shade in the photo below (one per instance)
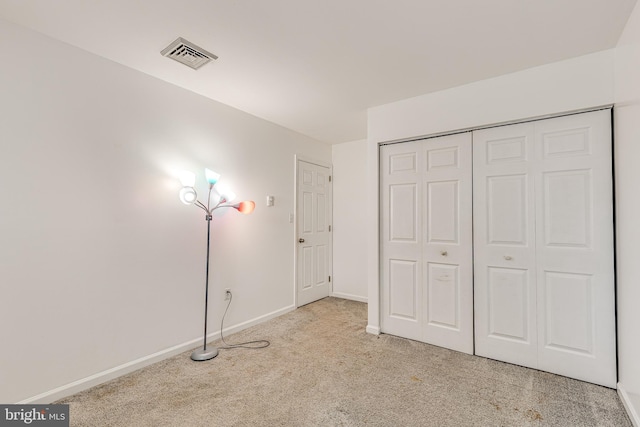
(225, 192)
(187, 178)
(188, 195)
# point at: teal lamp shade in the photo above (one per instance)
(211, 176)
(225, 192)
(188, 195)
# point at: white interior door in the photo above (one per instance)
(543, 224)
(314, 248)
(426, 241)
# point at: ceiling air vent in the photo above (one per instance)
(188, 53)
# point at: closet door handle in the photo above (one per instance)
(443, 253)
(508, 257)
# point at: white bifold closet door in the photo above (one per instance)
(426, 241)
(543, 243)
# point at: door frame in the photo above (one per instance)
(297, 159)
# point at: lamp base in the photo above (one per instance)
(201, 354)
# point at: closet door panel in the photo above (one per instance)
(447, 247)
(403, 289)
(574, 202)
(443, 296)
(508, 304)
(401, 239)
(443, 219)
(506, 210)
(504, 244)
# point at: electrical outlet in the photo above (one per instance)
(227, 294)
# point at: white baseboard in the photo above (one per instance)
(349, 296)
(375, 330)
(631, 404)
(104, 376)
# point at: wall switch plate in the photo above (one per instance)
(270, 201)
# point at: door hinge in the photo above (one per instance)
(329, 278)
(329, 228)
(329, 178)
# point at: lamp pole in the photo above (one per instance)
(189, 196)
(202, 354)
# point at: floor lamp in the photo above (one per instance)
(188, 196)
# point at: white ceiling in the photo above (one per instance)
(316, 66)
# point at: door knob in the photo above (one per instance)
(508, 258)
(443, 253)
(301, 240)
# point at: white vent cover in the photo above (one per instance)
(188, 53)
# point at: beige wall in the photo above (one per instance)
(350, 220)
(101, 266)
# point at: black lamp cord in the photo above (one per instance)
(249, 344)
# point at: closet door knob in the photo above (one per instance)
(443, 253)
(508, 257)
(301, 240)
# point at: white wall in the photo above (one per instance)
(564, 86)
(349, 224)
(559, 87)
(100, 263)
(627, 176)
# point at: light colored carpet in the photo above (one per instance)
(323, 369)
